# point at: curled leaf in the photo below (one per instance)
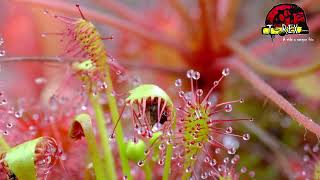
(31, 159)
(82, 127)
(145, 91)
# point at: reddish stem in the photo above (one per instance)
(246, 73)
(206, 19)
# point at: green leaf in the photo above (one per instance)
(147, 91)
(82, 126)
(20, 159)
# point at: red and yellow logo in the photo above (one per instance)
(285, 19)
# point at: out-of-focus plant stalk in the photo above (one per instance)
(108, 157)
(271, 70)
(231, 15)
(246, 73)
(184, 15)
(115, 116)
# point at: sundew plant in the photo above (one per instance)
(172, 89)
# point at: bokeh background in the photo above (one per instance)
(277, 142)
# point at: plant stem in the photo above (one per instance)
(108, 157)
(230, 18)
(169, 152)
(167, 166)
(147, 171)
(85, 121)
(115, 116)
(206, 19)
(247, 74)
(261, 67)
(185, 17)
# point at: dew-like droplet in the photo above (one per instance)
(3, 102)
(206, 159)
(84, 107)
(188, 169)
(252, 174)
(9, 125)
(40, 80)
(226, 160)
(162, 147)
(178, 83)
(315, 148)
(45, 12)
(2, 53)
(221, 168)
(181, 93)
(217, 150)
(118, 72)
(306, 158)
(213, 162)
(228, 108)
(18, 114)
(195, 75)
(246, 137)
(103, 85)
(190, 73)
(6, 133)
(229, 130)
(243, 170)
(112, 137)
(306, 147)
(11, 110)
(232, 151)
(156, 127)
(124, 177)
(225, 71)
(241, 100)
(140, 163)
(204, 175)
(161, 162)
